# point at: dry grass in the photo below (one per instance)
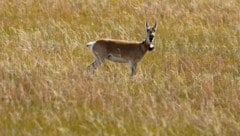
(190, 85)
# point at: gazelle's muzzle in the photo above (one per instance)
(151, 38)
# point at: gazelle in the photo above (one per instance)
(121, 50)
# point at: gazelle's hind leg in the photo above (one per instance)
(99, 58)
(94, 65)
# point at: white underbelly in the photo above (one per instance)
(117, 59)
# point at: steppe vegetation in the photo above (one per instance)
(189, 85)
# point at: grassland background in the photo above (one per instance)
(190, 85)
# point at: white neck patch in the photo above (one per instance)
(151, 46)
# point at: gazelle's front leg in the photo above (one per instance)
(133, 68)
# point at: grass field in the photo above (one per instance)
(189, 85)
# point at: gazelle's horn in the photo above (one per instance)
(155, 25)
(146, 24)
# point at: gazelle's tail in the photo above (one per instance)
(91, 44)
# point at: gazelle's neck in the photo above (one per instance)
(146, 41)
(147, 46)
(144, 46)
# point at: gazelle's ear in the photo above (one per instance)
(155, 26)
(146, 25)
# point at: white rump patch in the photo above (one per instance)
(91, 43)
(151, 46)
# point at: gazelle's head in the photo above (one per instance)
(150, 32)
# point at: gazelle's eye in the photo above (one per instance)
(148, 30)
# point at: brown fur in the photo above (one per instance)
(121, 51)
(133, 51)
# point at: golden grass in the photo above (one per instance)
(190, 85)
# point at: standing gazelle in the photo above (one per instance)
(121, 50)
